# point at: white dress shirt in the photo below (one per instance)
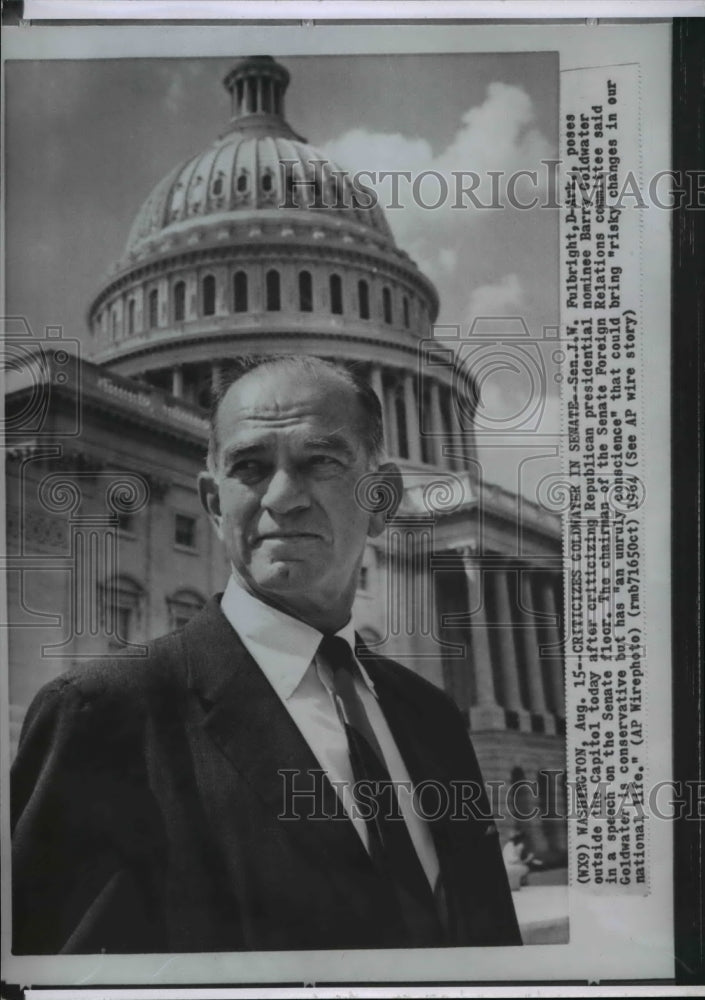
(284, 648)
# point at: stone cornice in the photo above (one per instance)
(126, 401)
(230, 337)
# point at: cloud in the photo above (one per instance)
(500, 298)
(494, 136)
(360, 150)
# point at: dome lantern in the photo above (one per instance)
(257, 86)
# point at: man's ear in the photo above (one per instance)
(387, 485)
(210, 498)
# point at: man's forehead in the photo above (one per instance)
(278, 396)
(278, 392)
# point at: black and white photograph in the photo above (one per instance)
(327, 590)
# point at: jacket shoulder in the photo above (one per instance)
(107, 680)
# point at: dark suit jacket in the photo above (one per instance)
(146, 804)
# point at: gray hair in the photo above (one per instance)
(368, 401)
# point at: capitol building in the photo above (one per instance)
(261, 245)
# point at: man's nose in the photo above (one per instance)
(285, 492)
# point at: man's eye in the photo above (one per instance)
(325, 462)
(248, 469)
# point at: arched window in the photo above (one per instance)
(273, 291)
(336, 294)
(208, 294)
(240, 292)
(218, 185)
(305, 291)
(387, 305)
(363, 299)
(131, 316)
(182, 606)
(267, 181)
(242, 182)
(153, 308)
(114, 323)
(179, 301)
(405, 306)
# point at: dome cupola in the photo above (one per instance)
(257, 86)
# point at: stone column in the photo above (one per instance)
(554, 651)
(457, 434)
(177, 381)
(390, 415)
(437, 425)
(508, 662)
(530, 641)
(378, 387)
(216, 377)
(412, 418)
(486, 713)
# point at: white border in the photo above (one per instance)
(358, 10)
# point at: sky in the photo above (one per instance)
(87, 140)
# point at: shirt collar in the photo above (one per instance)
(282, 646)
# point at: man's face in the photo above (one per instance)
(283, 494)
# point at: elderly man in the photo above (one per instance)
(241, 788)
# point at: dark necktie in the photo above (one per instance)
(391, 847)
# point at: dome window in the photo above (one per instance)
(363, 299)
(240, 292)
(114, 324)
(131, 316)
(305, 292)
(179, 301)
(208, 295)
(267, 180)
(387, 305)
(242, 182)
(218, 185)
(273, 290)
(336, 294)
(153, 308)
(405, 306)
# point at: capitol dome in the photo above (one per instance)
(260, 245)
(259, 164)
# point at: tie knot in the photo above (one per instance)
(337, 654)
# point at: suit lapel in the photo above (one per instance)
(246, 720)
